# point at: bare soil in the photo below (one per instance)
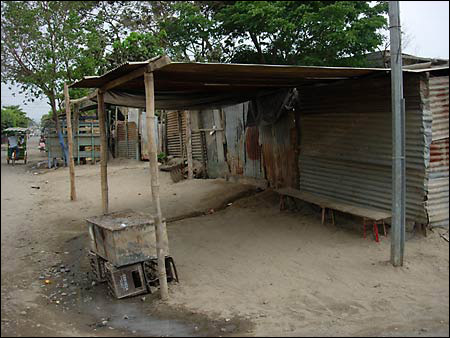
(245, 268)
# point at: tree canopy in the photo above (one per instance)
(14, 116)
(47, 43)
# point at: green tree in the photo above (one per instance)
(277, 32)
(13, 116)
(135, 47)
(46, 43)
(301, 32)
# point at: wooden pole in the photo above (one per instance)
(219, 136)
(103, 152)
(161, 233)
(189, 145)
(73, 194)
(76, 121)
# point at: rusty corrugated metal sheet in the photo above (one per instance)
(235, 135)
(279, 152)
(127, 140)
(346, 147)
(438, 168)
(439, 106)
(176, 138)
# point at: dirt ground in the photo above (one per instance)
(245, 269)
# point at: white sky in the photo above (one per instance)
(426, 24)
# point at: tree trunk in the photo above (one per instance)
(258, 47)
(73, 194)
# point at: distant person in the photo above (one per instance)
(42, 143)
(14, 145)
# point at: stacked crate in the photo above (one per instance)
(123, 253)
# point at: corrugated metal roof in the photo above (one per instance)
(193, 75)
(219, 84)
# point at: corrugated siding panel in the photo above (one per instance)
(346, 149)
(243, 147)
(176, 146)
(127, 138)
(234, 132)
(438, 169)
(278, 143)
(439, 106)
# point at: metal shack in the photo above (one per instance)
(319, 130)
(336, 143)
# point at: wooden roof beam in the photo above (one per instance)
(150, 67)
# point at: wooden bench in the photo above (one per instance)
(369, 215)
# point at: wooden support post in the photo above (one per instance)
(161, 233)
(189, 145)
(219, 136)
(73, 194)
(103, 151)
(76, 121)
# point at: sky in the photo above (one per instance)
(426, 24)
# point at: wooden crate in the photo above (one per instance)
(126, 281)
(98, 267)
(123, 238)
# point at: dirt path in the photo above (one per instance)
(42, 230)
(246, 270)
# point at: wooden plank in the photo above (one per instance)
(219, 136)
(189, 145)
(324, 202)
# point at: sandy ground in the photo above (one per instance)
(248, 269)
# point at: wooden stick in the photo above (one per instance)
(219, 136)
(103, 151)
(73, 194)
(189, 145)
(161, 233)
(76, 118)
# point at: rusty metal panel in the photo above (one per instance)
(345, 148)
(127, 139)
(176, 138)
(438, 190)
(439, 106)
(437, 201)
(278, 143)
(234, 131)
(123, 238)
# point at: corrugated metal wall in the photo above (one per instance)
(176, 138)
(127, 140)
(279, 142)
(438, 170)
(346, 147)
(265, 152)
